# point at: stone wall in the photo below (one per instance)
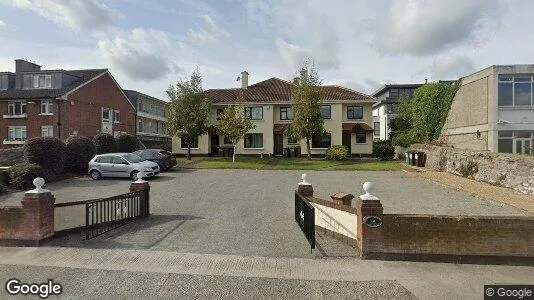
(503, 169)
(9, 157)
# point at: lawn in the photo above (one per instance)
(286, 164)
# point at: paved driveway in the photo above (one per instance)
(248, 212)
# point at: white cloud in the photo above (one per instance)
(451, 66)
(208, 35)
(142, 54)
(2, 23)
(74, 14)
(423, 27)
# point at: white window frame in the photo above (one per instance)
(47, 105)
(513, 82)
(47, 130)
(47, 81)
(23, 133)
(115, 114)
(11, 104)
(108, 120)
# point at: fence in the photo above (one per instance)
(305, 217)
(103, 215)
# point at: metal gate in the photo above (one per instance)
(305, 217)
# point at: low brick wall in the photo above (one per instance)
(11, 156)
(508, 170)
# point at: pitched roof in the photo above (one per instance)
(84, 75)
(133, 97)
(278, 90)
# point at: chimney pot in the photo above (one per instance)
(244, 79)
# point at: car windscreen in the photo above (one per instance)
(132, 158)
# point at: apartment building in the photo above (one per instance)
(493, 110)
(151, 116)
(347, 119)
(389, 97)
(60, 103)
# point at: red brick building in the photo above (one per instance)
(60, 103)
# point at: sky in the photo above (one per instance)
(149, 45)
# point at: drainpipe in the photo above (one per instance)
(58, 118)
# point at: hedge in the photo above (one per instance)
(127, 143)
(104, 143)
(383, 150)
(47, 152)
(23, 174)
(80, 150)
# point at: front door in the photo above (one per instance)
(278, 144)
(346, 141)
(523, 146)
(214, 145)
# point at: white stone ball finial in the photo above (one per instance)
(304, 179)
(368, 187)
(140, 176)
(38, 183)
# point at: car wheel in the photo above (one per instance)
(95, 175)
(161, 168)
(133, 175)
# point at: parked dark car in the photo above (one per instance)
(163, 158)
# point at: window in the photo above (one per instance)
(515, 90)
(292, 141)
(42, 81)
(119, 160)
(254, 113)
(322, 142)
(354, 112)
(227, 141)
(140, 125)
(4, 80)
(361, 138)
(46, 107)
(376, 128)
(394, 93)
(16, 133)
(183, 144)
(254, 140)
(219, 113)
(16, 108)
(105, 159)
(116, 116)
(106, 117)
(47, 131)
(326, 111)
(286, 113)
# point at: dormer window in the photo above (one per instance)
(42, 81)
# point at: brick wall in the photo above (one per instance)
(85, 115)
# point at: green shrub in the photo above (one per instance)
(23, 174)
(127, 142)
(47, 152)
(2, 189)
(80, 150)
(104, 143)
(4, 177)
(469, 169)
(337, 152)
(383, 150)
(405, 139)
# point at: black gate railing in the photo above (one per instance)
(305, 217)
(103, 215)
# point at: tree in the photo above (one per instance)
(234, 125)
(189, 110)
(307, 122)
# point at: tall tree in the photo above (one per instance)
(189, 110)
(234, 125)
(307, 122)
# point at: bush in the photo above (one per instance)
(337, 152)
(104, 143)
(2, 189)
(80, 150)
(383, 150)
(23, 174)
(47, 152)
(405, 139)
(127, 142)
(4, 177)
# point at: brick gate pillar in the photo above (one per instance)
(305, 188)
(141, 185)
(369, 223)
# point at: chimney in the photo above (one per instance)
(303, 75)
(22, 65)
(296, 80)
(244, 79)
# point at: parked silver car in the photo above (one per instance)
(121, 165)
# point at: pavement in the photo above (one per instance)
(127, 274)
